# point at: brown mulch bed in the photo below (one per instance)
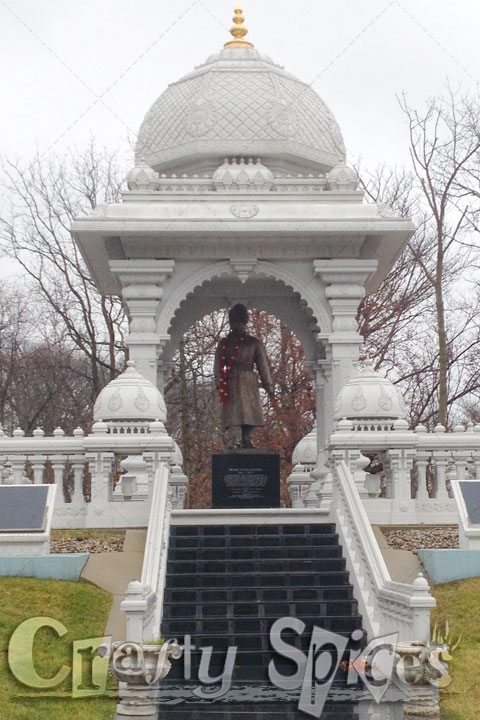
(71, 541)
(419, 538)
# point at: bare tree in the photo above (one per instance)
(443, 152)
(43, 198)
(422, 325)
(43, 381)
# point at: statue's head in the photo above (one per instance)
(238, 317)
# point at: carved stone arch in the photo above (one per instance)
(198, 295)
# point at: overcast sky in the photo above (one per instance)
(60, 56)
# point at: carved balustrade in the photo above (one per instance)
(386, 606)
(84, 468)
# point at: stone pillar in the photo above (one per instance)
(344, 282)
(400, 462)
(142, 282)
(38, 466)
(100, 467)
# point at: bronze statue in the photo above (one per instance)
(237, 382)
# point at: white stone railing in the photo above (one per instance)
(71, 459)
(143, 602)
(418, 468)
(386, 606)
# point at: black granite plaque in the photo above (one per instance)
(246, 480)
(471, 495)
(23, 508)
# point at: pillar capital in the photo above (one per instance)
(141, 273)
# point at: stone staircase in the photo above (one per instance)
(226, 585)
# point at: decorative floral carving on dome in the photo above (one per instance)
(244, 211)
(359, 403)
(385, 401)
(203, 116)
(239, 97)
(282, 116)
(369, 395)
(115, 402)
(142, 403)
(130, 396)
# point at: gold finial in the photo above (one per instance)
(238, 30)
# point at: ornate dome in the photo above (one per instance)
(305, 452)
(239, 103)
(130, 397)
(369, 395)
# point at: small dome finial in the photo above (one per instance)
(238, 30)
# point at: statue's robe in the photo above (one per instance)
(243, 406)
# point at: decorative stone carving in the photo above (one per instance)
(142, 177)
(130, 397)
(244, 211)
(282, 117)
(239, 95)
(342, 177)
(369, 395)
(115, 402)
(202, 117)
(142, 403)
(235, 175)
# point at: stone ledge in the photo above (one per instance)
(53, 567)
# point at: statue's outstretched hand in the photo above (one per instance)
(270, 392)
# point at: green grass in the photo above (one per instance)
(459, 605)
(83, 609)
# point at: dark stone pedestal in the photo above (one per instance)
(248, 479)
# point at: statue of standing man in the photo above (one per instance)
(237, 382)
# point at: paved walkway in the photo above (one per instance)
(113, 571)
(403, 565)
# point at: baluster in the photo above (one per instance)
(421, 461)
(18, 469)
(58, 466)
(77, 498)
(442, 458)
(38, 463)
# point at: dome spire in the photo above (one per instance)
(238, 30)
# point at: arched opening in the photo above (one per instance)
(193, 403)
(261, 291)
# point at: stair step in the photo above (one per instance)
(263, 541)
(250, 665)
(221, 629)
(272, 609)
(303, 552)
(326, 592)
(279, 579)
(238, 567)
(251, 530)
